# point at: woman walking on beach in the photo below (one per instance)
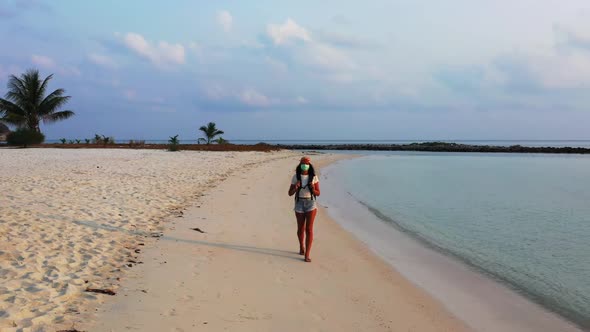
(305, 186)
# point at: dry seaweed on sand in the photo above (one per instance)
(101, 291)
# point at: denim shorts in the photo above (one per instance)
(305, 205)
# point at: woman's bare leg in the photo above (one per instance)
(300, 231)
(310, 217)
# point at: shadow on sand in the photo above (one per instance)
(257, 250)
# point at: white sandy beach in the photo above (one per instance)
(73, 219)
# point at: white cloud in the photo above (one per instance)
(173, 53)
(282, 34)
(160, 54)
(311, 53)
(568, 64)
(327, 57)
(48, 63)
(246, 96)
(138, 44)
(252, 97)
(562, 71)
(564, 65)
(225, 19)
(573, 36)
(43, 61)
(102, 60)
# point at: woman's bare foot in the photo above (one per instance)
(301, 252)
(307, 259)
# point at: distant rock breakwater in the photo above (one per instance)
(438, 147)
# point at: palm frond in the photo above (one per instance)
(43, 86)
(57, 116)
(19, 99)
(55, 94)
(15, 85)
(14, 119)
(17, 91)
(8, 107)
(53, 102)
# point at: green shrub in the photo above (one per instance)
(25, 137)
(136, 143)
(173, 143)
(221, 140)
(78, 141)
(87, 141)
(104, 140)
(62, 140)
(108, 140)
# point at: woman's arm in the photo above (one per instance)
(316, 188)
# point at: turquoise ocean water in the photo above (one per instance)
(523, 220)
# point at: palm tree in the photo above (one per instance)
(26, 105)
(210, 131)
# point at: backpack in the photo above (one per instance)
(311, 174)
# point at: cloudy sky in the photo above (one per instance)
(330, 69)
